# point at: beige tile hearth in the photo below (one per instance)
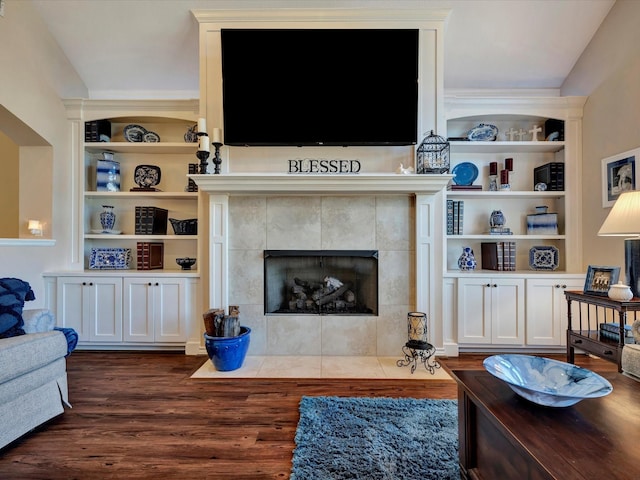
(308, 366)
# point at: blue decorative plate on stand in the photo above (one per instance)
(545, 257)
(483, 133)
(464, 173)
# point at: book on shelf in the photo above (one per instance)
(150, 255)
(151, 221)
(449, 217)
(464, 187)
(455, 217)
(500, 231)
(97, 131)
(499, 256)
(551, 174)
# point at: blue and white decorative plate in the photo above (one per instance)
(134, 133)
(110, 258)
(483, 133)
(545, 381)
(464, 173)
(151, 137)
(544, 257)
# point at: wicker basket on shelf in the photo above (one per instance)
(184, 227)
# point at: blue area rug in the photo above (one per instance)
(376, 438)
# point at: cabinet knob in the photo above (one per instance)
(149, 283)
(564, 286)
(91, 284)
(157, 284)
(84, 283)
(495, 285)
(488, 285)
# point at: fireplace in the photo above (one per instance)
(321, 282)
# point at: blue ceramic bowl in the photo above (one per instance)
(227, 353)
(545, 381)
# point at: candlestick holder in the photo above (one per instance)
(203, 156)
(217, 161)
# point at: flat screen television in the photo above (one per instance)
(338, 87)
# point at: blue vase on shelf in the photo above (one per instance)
(107, 218)
(467, 261)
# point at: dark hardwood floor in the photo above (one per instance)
(140, 416)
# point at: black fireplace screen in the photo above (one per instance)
(321, 282)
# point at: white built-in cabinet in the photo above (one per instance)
(154, 309)
(525, 308)
(126, 308)
(547, 309)
(491, 310)
(92, 305)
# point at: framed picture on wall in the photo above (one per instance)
(599, 279)
(618, 175)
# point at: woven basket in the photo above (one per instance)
(185, 227)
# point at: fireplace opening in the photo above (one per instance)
(321, 282)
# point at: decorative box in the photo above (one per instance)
(542, 224)
(150, 255)
(551, 174)
(107, 176)
(185, 227)
(151, 221)
(110, 258)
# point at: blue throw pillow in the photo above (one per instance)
(13, 293)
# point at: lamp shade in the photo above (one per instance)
(624, 218)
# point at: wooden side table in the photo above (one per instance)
(584, 332)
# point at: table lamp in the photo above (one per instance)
(624, 221)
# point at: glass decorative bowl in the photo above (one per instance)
(545, 381)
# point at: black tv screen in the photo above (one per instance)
(320, 86)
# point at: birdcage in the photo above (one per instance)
(432, 155)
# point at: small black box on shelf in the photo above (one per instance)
(151, 221)
(552, 125)
(150, 255)
(97, 131)
(551, 174)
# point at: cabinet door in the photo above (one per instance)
(507, 311)
(170, 304)
(92, 306)
(546, 317)
(155, 310)
(70, 305)
(138, 309)
(474, 310)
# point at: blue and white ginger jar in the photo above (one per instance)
(467, 260)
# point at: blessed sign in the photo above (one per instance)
(311, 165)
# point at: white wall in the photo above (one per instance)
(34, 73)
(611, 122)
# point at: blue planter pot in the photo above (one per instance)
(227, 353)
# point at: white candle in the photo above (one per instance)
(217, 136)
(202, 125)
(203, 143)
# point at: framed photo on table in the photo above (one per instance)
(599, 279)
(618, 175)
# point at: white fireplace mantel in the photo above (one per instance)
(343, 184)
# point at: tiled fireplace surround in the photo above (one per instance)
(389, 213)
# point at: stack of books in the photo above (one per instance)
(151, 221)
(499, 256)
(150, 255)
(455, 216)
(612, 332)
(192, 186)
(97, 131)
(551, 174)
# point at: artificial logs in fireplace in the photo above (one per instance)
(321, 282)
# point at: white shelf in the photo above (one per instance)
(137, 195)
(142, 147)
(142, 238)
(506, 147)
(514, 194)
(505, 238)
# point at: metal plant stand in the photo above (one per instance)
(418, 346)
(415, 351)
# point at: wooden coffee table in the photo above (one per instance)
(503, 436)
